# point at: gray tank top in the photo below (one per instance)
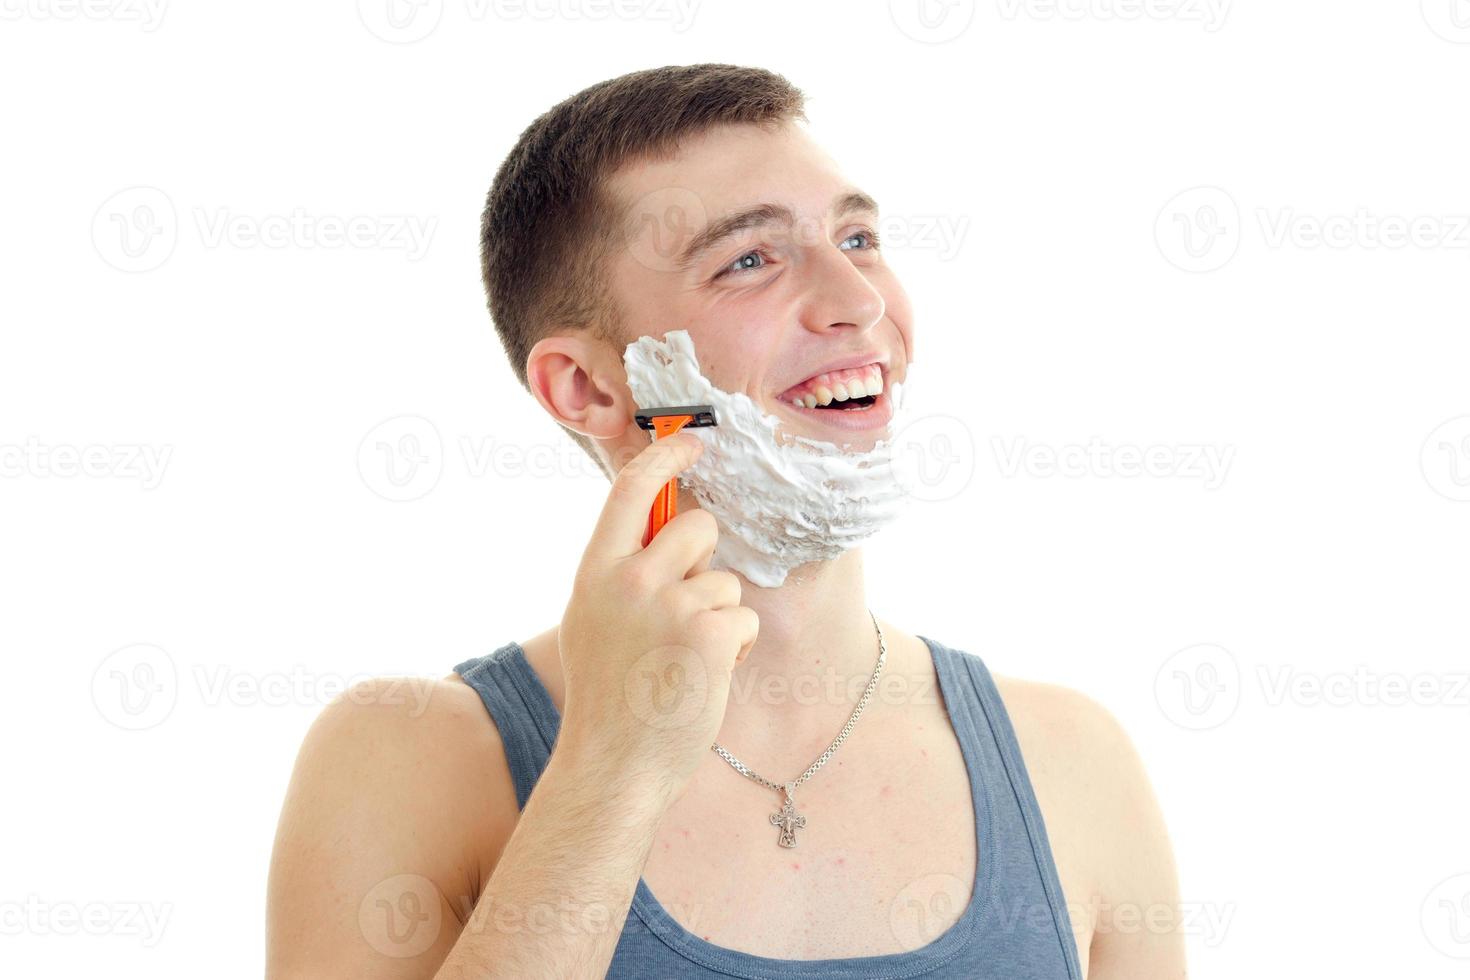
(1015, 927)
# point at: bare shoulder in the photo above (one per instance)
(399, 797)
(1105, 826)
(1084, 767)
(1061, 726)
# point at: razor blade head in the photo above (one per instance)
(701, 416)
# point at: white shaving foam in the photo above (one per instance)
(780, 500)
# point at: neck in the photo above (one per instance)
(812, 659)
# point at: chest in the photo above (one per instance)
(885, 859)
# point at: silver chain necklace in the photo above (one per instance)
(787, 819)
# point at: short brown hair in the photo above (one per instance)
(549, 224)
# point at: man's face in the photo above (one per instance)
(783, 307)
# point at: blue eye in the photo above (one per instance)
(736, 266)
(740, 266)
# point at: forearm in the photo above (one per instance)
(560, 893)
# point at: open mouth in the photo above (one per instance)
(852, 404)
(848, 390)
(855, 399)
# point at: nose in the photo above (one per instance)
(839, 296)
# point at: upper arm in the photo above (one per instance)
(1106, 829)
(397, 800)
(1139, 931)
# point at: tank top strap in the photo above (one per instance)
(990, 724)
(521, 708)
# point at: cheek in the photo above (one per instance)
(898, 310)
(736, 352)
(727, 365)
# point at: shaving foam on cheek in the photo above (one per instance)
(780, 500)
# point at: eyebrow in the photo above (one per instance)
(758, 216)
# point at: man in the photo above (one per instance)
(547, 816)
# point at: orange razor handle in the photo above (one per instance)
(666, 504)
(665, 421)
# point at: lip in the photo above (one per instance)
(854, 361)
(876, 416)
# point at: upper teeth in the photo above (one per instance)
(859, 386)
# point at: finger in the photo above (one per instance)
(624, 517)
(684, 542)
(713, 590)
(745, 624)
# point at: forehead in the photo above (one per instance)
(729, 167)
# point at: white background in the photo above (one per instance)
(1105, 215)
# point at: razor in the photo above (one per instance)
(665, 422)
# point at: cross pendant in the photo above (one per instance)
(788, 820)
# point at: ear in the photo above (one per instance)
(581, 385)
